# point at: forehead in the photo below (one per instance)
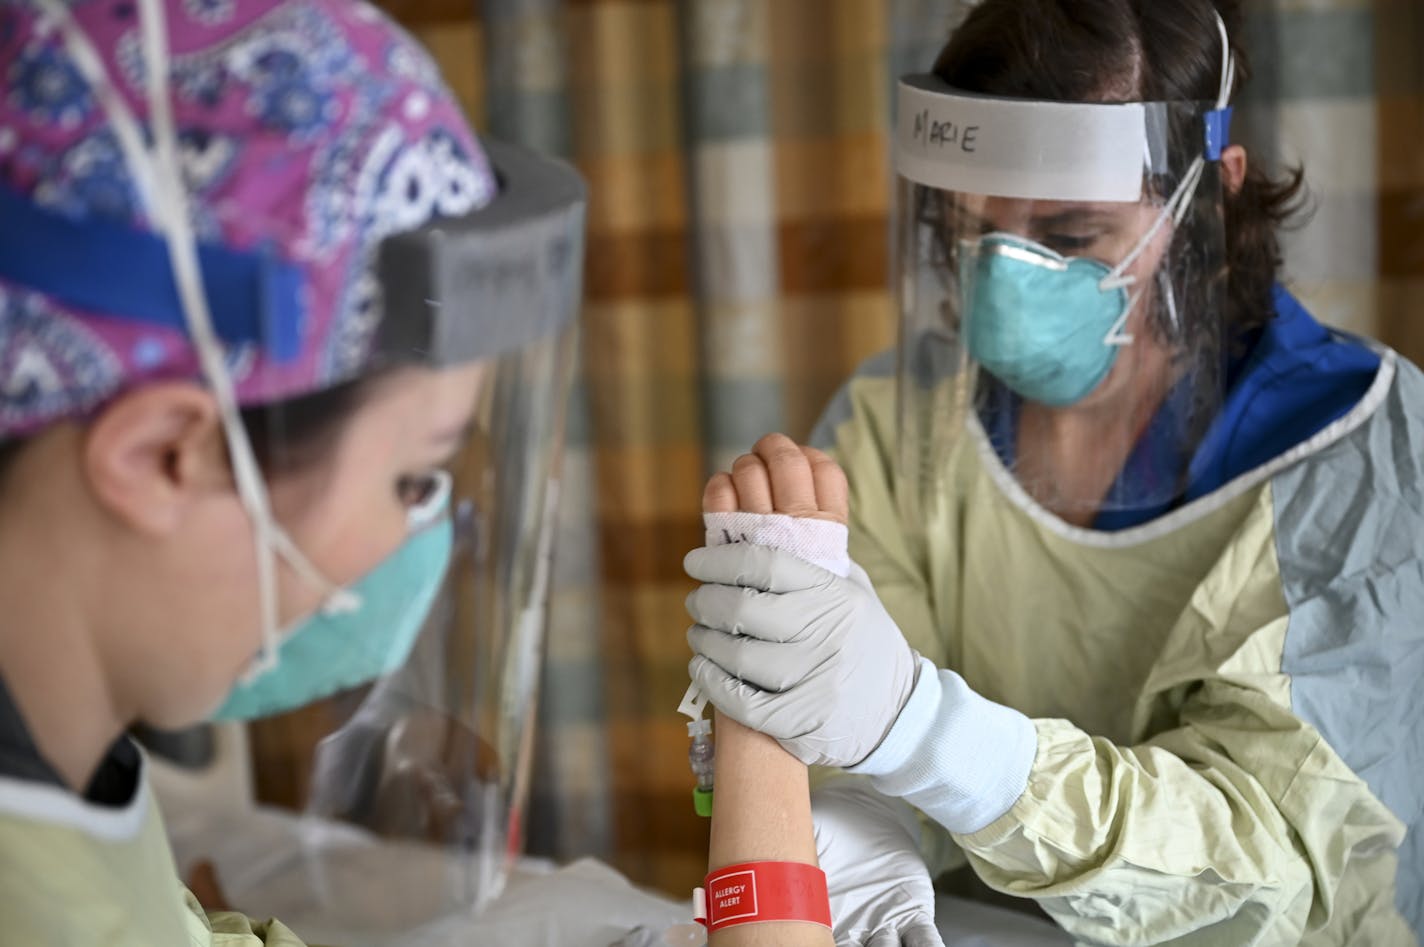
(428, 397)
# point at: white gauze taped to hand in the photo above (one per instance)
(820, 542)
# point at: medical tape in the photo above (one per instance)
(822, 543)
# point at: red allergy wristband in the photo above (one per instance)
(758, 892)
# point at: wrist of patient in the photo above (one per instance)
(754, 752)
(762, 797)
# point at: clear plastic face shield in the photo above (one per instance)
(416, 796)
(1061, 282)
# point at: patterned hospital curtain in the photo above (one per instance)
(1312, 101)
(1399, 72)
(737, 272)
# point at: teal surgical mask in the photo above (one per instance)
(1048, 326)
(361, 633)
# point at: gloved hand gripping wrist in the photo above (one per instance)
(813, 659)
(796, 652)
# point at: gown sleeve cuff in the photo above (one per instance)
(958, 757)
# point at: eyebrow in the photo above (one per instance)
(1076, 215)
(964, 218)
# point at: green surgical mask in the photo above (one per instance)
(365, 633)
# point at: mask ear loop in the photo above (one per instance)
(182, 255)
(1175, 210)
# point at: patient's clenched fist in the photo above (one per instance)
(780, 476)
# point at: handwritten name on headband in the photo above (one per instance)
(934, 132)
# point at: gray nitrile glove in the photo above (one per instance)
(815, 661)
(881, 894)
(796, 652)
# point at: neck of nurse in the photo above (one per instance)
(1068, 459)
(50, 659)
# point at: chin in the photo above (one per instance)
(173, 720)
(189, 709)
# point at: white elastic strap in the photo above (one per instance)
(1174, 210)
(1164, 286)
(183, 256)
(1228, 70)
(1117, 335)
(1177, 206)
(158, 177)
(126, 128)
(338, 600)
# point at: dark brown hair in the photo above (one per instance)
(1134, 50)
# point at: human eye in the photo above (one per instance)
(413, 490)
(1069, 244)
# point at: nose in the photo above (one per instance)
(1007, 215)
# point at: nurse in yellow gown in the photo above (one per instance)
(1154, 533)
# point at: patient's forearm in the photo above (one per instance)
(762, 813)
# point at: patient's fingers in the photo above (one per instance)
(793, 489)
(780, 476)
(832, 491)
(720, 496)
(753, 484)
